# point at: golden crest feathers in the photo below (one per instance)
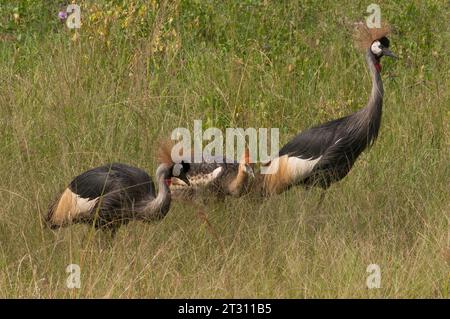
(164, 154)
(365, 36)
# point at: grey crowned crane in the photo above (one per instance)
(114, 194)
(324, 154)
(214, 176)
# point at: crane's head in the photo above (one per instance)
(373, 40)
(168, 168)
(380, 48)
(166, 171)
(180, 171)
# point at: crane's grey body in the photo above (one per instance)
(114, 194)
(118, 189)
(324, 154)
(338, 143)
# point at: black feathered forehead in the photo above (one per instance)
(384, 41)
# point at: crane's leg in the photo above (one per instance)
(309, 189)
(201, 214)
(315, 218)
(105, 234)
(112, 232)
(321, 198)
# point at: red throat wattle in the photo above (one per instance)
(168, 181)
(378, 66)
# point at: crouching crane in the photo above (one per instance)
(324, 154)
(114, 194)
(215, 176)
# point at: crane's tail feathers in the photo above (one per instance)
(68, 208)
(365, 36)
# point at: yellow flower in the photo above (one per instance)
(142, 10)
(75, 37)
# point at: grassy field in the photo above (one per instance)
(71, 101)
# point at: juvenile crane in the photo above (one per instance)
(114, 194)
(215, 176)
(324, 154)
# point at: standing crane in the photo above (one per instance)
(215, 176)
(324, 154)
(114, 194)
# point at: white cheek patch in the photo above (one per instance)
(176, 171)
(375, 48)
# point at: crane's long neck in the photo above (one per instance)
(369, 118)
(375, 102)
(157, 207)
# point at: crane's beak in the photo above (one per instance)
(389, 53)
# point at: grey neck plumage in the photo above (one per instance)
(376, 96)
(157, 207)
(367, 120)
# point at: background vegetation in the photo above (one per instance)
(71, 100)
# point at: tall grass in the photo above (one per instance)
(68, 105)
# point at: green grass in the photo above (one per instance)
(66, 106)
